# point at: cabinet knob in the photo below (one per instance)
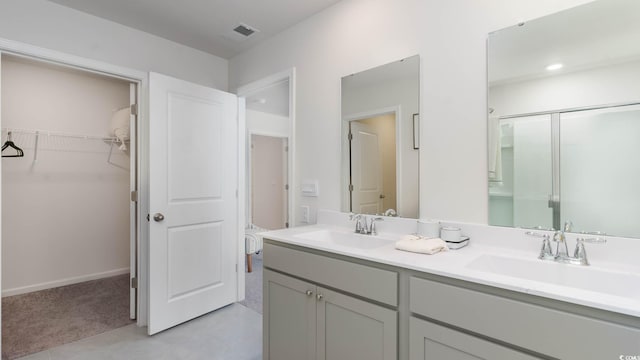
(309, 292)
(319, 297)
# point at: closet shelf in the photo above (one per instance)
(60, 134)
(63, 141)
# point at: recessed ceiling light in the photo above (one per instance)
(553, 67)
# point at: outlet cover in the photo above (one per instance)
(305, 214)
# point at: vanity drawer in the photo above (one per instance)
(543, 330)
(362, 280)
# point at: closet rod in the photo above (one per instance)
(60, 134)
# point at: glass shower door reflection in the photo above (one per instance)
(532, 171)
(520, 189)
(600, 170)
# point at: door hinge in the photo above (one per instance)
(236, 193)
(134, 283)
(236, 267)
(286, 187)
(148, 217)
(351, 187)
(350, 136)
(134, 109)
(286, 225)
(286, 149)
(134, 196)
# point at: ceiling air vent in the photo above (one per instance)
(244, 30)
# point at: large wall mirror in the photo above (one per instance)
(380, 124)
(564, 120)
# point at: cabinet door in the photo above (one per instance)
(428, 341)
(353, 329)
(289, 319)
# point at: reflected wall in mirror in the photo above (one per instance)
(379, 162)
(564, 120)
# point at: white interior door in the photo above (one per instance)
(366, 170)
(193, 201)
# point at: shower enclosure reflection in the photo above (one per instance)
(568, 166)
(563, 134)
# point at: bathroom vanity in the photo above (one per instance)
(333, 294)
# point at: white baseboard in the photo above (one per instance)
(63, 282)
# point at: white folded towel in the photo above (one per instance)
(412, 237)
(421, 245)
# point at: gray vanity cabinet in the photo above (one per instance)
(289, 313)
(349, 328)
(323, 308)
(429, 341)
(305, 321)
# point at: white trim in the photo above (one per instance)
(64, 282)
(0, 200)
(60, 58)
(397, 112)
(241, 198)
(252, 88)
(142, 79)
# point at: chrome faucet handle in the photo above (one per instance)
(356, 217)
(580, 253)
(545, 252)
(536, 234)
(372, 226)
(364, 228)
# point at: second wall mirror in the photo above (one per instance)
(380, 156)
(564, 119)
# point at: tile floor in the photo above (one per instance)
(231, 333)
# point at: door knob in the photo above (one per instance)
(158, 217)
(309, 293)
(319, 297)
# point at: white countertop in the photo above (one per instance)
(453, 264)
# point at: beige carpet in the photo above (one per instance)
(44, 319)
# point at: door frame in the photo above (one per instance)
(141, 79)
(254, 87)
(249, 173)
(346, 157)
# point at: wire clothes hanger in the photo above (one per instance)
(9, 144)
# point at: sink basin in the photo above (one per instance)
(347, 239)
(585, 278)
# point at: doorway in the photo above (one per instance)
(269, 188)
(270, 125)
(69, 223)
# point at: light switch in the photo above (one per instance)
(310, 188)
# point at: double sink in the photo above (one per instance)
(477, 260)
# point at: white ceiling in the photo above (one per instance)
(204, 24)
(599, 33)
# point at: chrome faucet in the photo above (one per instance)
(362, 227)
(359, 219)
(372, 226)
(562, 253)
